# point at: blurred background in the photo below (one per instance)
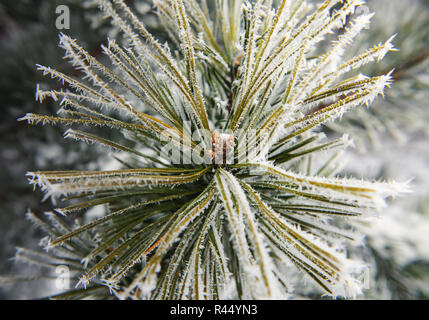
(391, 137)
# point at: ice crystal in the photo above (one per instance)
(213, 124)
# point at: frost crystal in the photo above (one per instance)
(245, 85)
